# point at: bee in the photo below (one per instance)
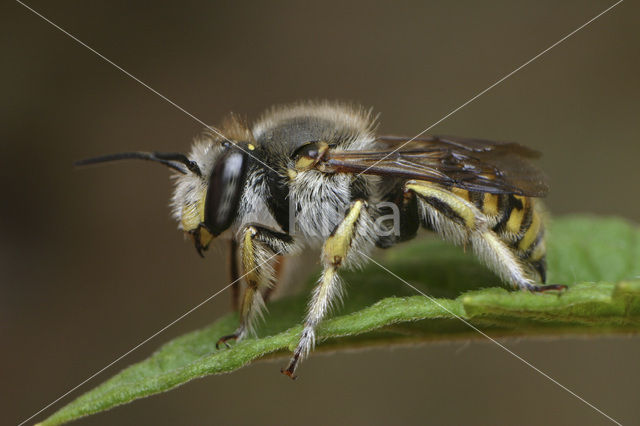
(316, 175)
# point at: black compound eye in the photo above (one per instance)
(225, 189)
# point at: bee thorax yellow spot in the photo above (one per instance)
(311, 155)
(305, 163)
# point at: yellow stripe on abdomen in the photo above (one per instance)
(462, 193)
(531, 233)
(490, 204)
(517, 215)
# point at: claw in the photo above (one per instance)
(224, 340)
(289, 373)
(549, 287)
(292, 367)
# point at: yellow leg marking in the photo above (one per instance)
(334, 252)
(248, 263)
(515, 219)
(490, 204)
(531, 234)
(337, 245)
(461, 207)
(248, 256)
(251, 299)
(247, 302)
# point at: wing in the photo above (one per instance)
(471, 164)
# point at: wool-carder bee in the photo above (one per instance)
(316, 175)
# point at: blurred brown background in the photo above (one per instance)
(91, 263)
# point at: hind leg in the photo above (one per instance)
(342, 248)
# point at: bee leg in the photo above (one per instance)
(234, 274)
(459, 221)
(499, 258)
(548, 287)
(278, 270)
(224, 339)
(257, 245)
(355, 230)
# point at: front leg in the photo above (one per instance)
(340, 249)
(257, 246)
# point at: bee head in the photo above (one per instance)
(206, 205)
(208, 188)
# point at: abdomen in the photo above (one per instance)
(518, 222)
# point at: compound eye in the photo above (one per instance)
(224, 192)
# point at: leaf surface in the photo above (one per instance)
(598, 258)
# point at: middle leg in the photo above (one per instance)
(355, 234)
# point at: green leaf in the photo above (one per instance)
(598, 258)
